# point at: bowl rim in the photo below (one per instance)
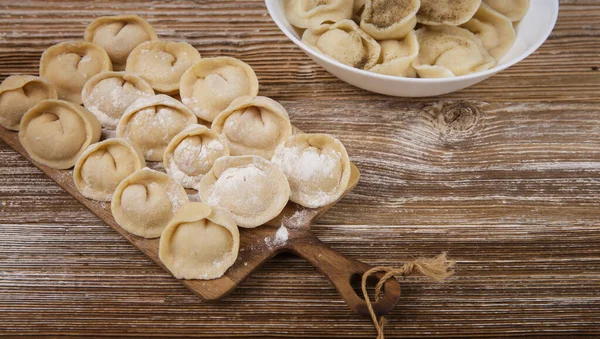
(489, 72)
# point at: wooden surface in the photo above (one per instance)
(504, 175)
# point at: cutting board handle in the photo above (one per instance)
(343, 272)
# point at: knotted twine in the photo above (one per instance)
(437, 269)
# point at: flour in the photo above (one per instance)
(281, 237)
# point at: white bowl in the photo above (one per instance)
(532, 31)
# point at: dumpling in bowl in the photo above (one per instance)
(494, 29)
(345, 42)
(447, 12)
(389, 19)
(447, 51)
(312, 13)
(397, 56)
(515, 10)
(18, 93)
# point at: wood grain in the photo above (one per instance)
(511, 191)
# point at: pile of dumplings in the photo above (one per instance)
(409, 38)
(120, 98)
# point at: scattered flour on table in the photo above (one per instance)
(281, 237)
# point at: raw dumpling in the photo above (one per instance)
(56, 132)
(103, 165)
(447, 12)
(253, 126)
(162, 63)
(515, 10)
(200, 242)
(251, 188)
(107, 95)
(145, 201)
(69, 65)
(119, 35)
(389, 19)
(447, 51)
(397, 56)
(212, 84)
(494, 29)
(345, 42)
(18, 93)
(312, 13)
(192, 153)
(151, 123)
(316, 166)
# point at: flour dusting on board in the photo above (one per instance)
(281, 237)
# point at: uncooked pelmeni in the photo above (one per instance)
(212, 84)
(312, 13)
(68, 65)
(345, 42)
(192, 153)
(103, 165)
(397, 56)
(107, 95)
(252, 189)
(200, 242)
(18, 93)
(513, 9)
(56, 132)
(389, 19)
(162, 63)
(151, 123)
(447, 12)
(119, 35)
(145, 201)
(317, 167)
(494, 29)
(253, 126)
(447, 51)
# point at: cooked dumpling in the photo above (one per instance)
(192, 153)
(151, 123)
(389, 19)
(56, 132)
(447, 12)
(69, 65)
(200, 242)
(253, 126)
(119, 35)
(397, 56)
(515, 10)
(162, 63)
(107, 95)
(312, 13)
(446, 51)
(251, 188)
(18, 93)
(316, 166)
(494, 29)
(212, 84)
(145, 202)
(103, 165)
(345, 42)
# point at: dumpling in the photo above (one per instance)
(18, 93)
(119, 35)
(70, 64)
(494, 29)
(447, 12)
(253, 126)
(107, 95)
(192, 153)
(200, 242)
(145, 202)
(103, 165)
(447, 51)
(151, 123)
(312, 13)
(212, 84)
(397, 56)
(515, 10)
(251, 188)
(316, 166)
(56, 132)
(389, 19)
(345, 42)
(162, 63)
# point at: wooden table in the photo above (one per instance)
(504, 175)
